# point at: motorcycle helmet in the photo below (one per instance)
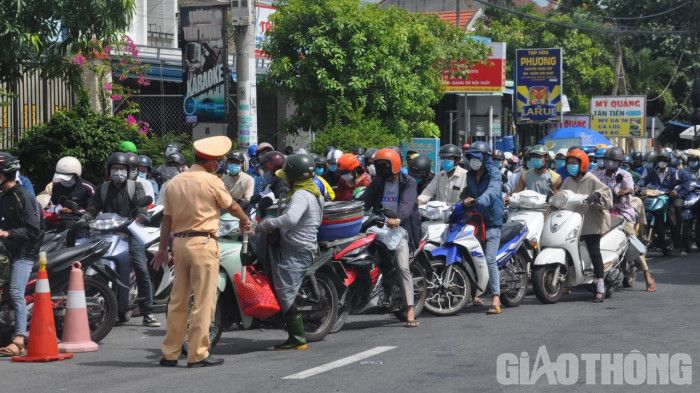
(128, 147)
(369, 155)
(272, 161)
(387, 161)
(614, 154)
(171, 148)
(333, 156)
(498, 155)
(69, 166)
(9, 164)
(480, 146)
(176, 158)
(359, 151)
(539, 150)
(296, 167)
(420, 166)
(145, 161)
(253, 150)
(348, 162)
(117, 158)
(264, 148)
(582, 157)
(450, 151)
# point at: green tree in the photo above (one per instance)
(588, 61)
(42, 34)
(339, 58)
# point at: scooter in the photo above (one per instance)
(690, 224)
(317, 299)
(363, 286)
(654, 201)
(529, 208)
(564, 261)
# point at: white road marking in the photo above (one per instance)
(339, 363)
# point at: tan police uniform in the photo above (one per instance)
(194, 202)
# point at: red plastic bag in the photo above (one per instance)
(256, 295)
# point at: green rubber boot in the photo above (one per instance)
(295, 328)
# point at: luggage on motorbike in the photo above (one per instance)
(341, 220)
(256, 295)
(636, 248)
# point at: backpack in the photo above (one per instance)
(130, 189)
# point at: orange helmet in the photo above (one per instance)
(390, 155)
(581, 156)
(348, 162)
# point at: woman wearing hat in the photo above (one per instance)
(298, 227)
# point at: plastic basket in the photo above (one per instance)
(256, 295)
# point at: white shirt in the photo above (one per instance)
(444, 188)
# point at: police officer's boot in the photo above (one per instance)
(295, 328)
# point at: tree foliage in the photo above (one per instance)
(42, 34)
(340, 58)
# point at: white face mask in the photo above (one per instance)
(663, 164)
(372, 170)
(68, 183)
(347, 177)
(475, 164)
(118, 176)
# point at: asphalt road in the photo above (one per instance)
(446, 354)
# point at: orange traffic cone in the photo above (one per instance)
(76, 330)
(43, 344)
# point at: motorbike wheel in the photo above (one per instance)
(542, 284)
(686, 234)
(343, 313)
(420, 292)
(216, 328)
(609, 290)
(512, 298)
(133, 295)
(318, 321)
(630, 275)
(101, 307)
(449, 289)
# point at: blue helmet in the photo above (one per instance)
(253, 150)
(600, 152)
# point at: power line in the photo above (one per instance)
(673, 77)
(668, 11)
(582, 28)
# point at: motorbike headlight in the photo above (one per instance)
(573, 235)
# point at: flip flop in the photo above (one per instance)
(651, 285)
(477, 302)
(495, 310)
(6, 352)
(412, 324)
(599, 297)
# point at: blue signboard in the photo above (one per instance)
(426, 146)
(538, 86)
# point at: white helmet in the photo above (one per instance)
(334, 155)
(66, 167)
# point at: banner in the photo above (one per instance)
(203, 35)
(621, 116)
(427, 146)
(572, 121)
(538, 85)
(262, 26)
(481, 78)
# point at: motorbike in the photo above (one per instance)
(529, 208)
(317, 299)
(101, 302)
(459, 269)
(362, 286)
(564, 261)
(690, 224)
(654, 201)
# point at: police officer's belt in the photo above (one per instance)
(194, 234)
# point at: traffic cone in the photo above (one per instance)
(76, 330)
(43, 344)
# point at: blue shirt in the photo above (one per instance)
(487, 193)
(563, 173)
(27, 185)
(674, 178)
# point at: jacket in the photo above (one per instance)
(408, 208)
(20, 215)
(596, 217)
(677, 179)
(345, 189)
(487, 192)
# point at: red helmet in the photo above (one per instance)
(390, 155)
(272, 161)
(581, 156)
(348, 162)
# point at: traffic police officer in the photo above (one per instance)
(191, 211)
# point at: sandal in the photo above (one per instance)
(477, 302)
(651, 283)
(9, 350)
(495, 310)
(412, 324)
(599, 297)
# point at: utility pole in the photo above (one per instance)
(620, 83)
(243, 18)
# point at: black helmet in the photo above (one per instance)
(9, 164)
(117, 158)
(133, 160)
(369, 153)
(650, 156)
(482, 147)
(675, 162)
(319, 160)
(663, 157)
(498, 155)
(237, 157)
(359, 151)
(171, 148)
(420, 166)
(627, 160)
(298, 167)
(177, 158)
(614, 154)
(272, 161)
(146, 161)
(450, 151)
(637, 156)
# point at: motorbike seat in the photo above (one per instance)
(67, 255)
(510, 230)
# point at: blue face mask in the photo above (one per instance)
(648, 165)
(560, 163)
(319, 171)
(573, 169)
(447, 165)
(404, 170)
(142, 175)
(333, 167)
(535, 163)
(693, 164)
(592, 166)
(419, 180)
(626, 167)
(234, 169)
(498, 164)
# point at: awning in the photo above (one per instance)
(690, 133)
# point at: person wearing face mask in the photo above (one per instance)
(622, 186)
(447, 185)
(369, 161)
(637, 162)
(677, 183)
(191, 212)
(626, 164)
(134, 175)
(124, 196)
(332, 176)
(539, 177)
(560, 162)
(596, 214)
(482, 194)
(146, 173)
(599, 155)
(238, 183)
(499, 161)
(21, 234)
(421, 169)
(67, 183)
(352, 176)
(270, 163)
(396, 193)
(174, 163)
